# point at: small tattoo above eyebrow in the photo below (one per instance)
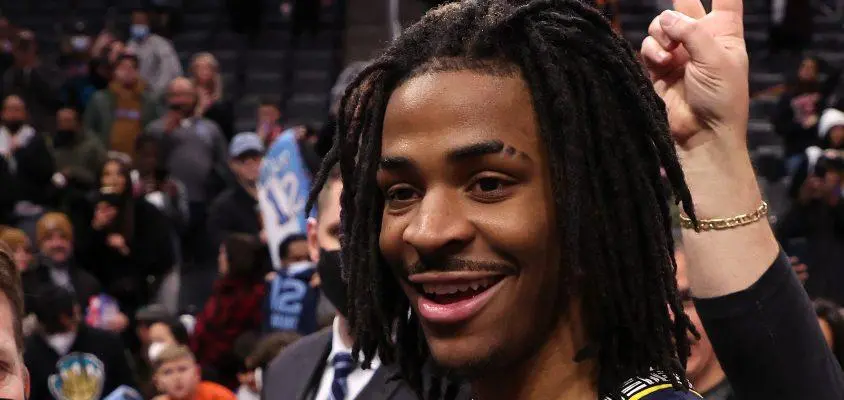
(510, 150)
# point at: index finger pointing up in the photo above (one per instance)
(735, 6)
(691, 8)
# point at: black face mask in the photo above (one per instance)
(13, 126)
(330, 274)
(64, 138)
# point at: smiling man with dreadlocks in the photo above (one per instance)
(503, 213)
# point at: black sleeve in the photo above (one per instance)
(219, 222)
(119, 372)
(768, 340)
(35, 161)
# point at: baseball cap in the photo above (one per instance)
(245, 142)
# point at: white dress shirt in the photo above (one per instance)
(358, 378)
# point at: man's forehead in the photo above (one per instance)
(7, 327)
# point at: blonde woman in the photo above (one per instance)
(206, 76)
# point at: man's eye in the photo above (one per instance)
(401, 194)
(490, 188)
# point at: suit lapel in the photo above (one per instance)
(383, 385)
(310, 370)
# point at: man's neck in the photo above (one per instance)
(710, 377)
(343, 331)
(550, 374)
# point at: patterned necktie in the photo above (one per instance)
(343, 366)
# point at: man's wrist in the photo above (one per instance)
(721, 179)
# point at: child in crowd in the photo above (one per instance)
(177, 377)
(260, 355)
(235, 307)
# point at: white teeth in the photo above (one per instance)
(445, 288)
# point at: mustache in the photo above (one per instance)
(453, 264)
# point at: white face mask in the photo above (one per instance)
(155, 350)
(61, 342)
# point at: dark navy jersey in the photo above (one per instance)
(656, 386)
(291, 303)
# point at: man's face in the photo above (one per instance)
(140, 18)
(178, 379)
(14, 109)
(182, 96)
(836, 137)
(14, 378)
(247, 167)
(268, 114)
(703, 356)
(248, 379)
(66, 120)
(57, 246)
(468, 219)
(297, 251)
(159, 332)
(146, 158)
(324, 232)
(808, 71)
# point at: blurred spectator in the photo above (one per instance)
(36, 81)
(166, 332)
(269, 121)
(235, 306)
(118, 114)
(702, 367)
(75, 63)
(159, 63)
(832, 326)
(830, 136)
(257, 360)
(813, 229)
(103, 62)
(205, 74)
(27, 157)
(798, 111)
(20, 246)
(178, 377)
(63, 332)
(145, 317)
(236, 209)
(6, 34)
(128, 249)
(55, 264)
(791, 25)
(194, 151)
(79, 154)
(293, 249)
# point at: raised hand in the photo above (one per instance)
(699, 66)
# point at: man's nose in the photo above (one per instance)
(439, 224)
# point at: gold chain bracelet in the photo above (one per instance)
(719, 224)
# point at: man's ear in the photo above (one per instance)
(26, 383)
(313, 239)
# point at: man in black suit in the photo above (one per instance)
(320, 366)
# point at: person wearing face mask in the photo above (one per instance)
(315, 365)
(233, 309)
(119, 113)
(159, 61)
(193, 150)
(78, 153)
(62, 332)
(75, 63)
(27, 157)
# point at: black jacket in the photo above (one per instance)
(84, 284)
(150, 256)
(222, 113)
(34, 172)
(41, 360)
(295, 375)
(39, 88)
(233, 211)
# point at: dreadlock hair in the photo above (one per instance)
(606, 133)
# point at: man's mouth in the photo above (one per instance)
(453, 297)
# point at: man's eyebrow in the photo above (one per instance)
(475, 150)
(394, 163)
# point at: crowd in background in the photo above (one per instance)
(121, 169)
